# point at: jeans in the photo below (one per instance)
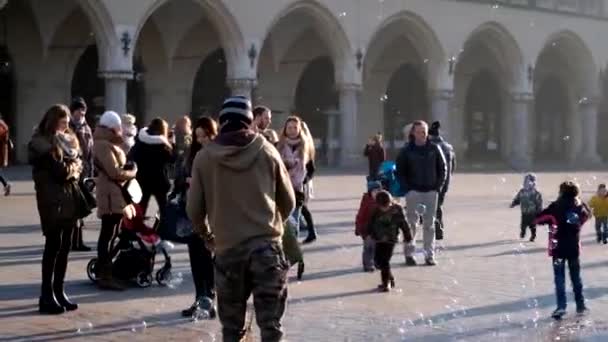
(369, 246)
(421, 205)
(383, 255)
(109, 230)
(3, 180)
(559, 272)
(201, 264)
(601, 227)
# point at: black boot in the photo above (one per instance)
(47, 304)
(522, 234)
(77, 240)
(532, 234)
(61, 266)
(300, 270)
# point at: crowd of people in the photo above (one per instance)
(245, 190)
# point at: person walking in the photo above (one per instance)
(308, 186)
(376, 154)
(153, 154)
(295, 149)
(53, 154)
(80, 127)
(201, 259)
(5, 148)
(245, 230)
(262, 118)
(422, 170)
(450, 161)
(113, 172)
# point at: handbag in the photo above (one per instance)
(175, 225)
(85, 201)
(131, 191)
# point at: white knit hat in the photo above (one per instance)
(110, 119)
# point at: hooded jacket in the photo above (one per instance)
(566, 217)
(239, 184)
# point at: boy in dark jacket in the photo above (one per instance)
(386, 222)
(366, 209)
(531, 203)
(566, 216)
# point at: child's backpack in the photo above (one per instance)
(387, 175)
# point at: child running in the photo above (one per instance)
(599, 205)
(384, 226)
(531, 203)
(566, 216)
(366, 209)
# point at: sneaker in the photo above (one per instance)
(7, 190)
(605, 241)
(309, 239)
(558, 314)
(532, 238)
(581, 311)
(410, 261)
(384, 288)
(522, 234)
(430, 262)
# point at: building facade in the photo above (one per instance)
(516, 81)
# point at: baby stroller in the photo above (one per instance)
(387, 175)
(134, 250)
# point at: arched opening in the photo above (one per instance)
(87, 84)
(316, 95)
(405, 101)
(7, 88)
(552, 109)
(210, 90)
(483, 112)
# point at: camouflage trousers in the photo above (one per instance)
(258, 268)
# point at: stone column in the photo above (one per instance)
(116, 89)
(241, 86)
(520, 152)
(588, 110)
(330, 144)
(349, 99)
(440, 108)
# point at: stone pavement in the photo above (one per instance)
(488, 285)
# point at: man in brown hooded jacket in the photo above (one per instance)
(240, 185)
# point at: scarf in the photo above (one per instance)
(67, 143)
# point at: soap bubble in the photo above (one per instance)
(139, 327)
(83, 327)
(420, 209)
(566, 138)
(572, 218)
(342, 14)
(384, 98)
(176, 281)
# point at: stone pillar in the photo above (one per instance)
(349, 99)
(116, 89)
(241, 86)
(330, 143)
(588, 111)
(440, 108)
(520, 152)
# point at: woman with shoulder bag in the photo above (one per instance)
(113, 173)
(201, 259)
(53, 153)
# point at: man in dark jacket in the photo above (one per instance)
(450, 161)
(80, 127)
(422, 171)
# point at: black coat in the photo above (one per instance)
(56, 185)
(153, 160)
(421, 168)
(568, 232)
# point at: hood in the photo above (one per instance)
(149, 139)
(105, 134)
(236, 156)
(40, 144)
(529, 181)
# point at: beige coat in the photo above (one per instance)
(110, 156)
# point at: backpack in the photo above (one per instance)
(387, 175)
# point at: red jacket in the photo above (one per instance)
(366, 209)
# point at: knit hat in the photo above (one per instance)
(434, 130)
(236, 108)
(374, 185)
(78, 103)
(110, 119)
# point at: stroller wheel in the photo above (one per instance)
(144, 279)
(92, 269)
(164, 276)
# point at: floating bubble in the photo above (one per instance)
(139, 327)
(503, 180)
(573, 218)
(342, 14)
(566, 138)
(384, 98)
(176, 281)
(83, 327)
(495, 6)
(420, 209)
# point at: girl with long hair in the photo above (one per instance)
(53, 153)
